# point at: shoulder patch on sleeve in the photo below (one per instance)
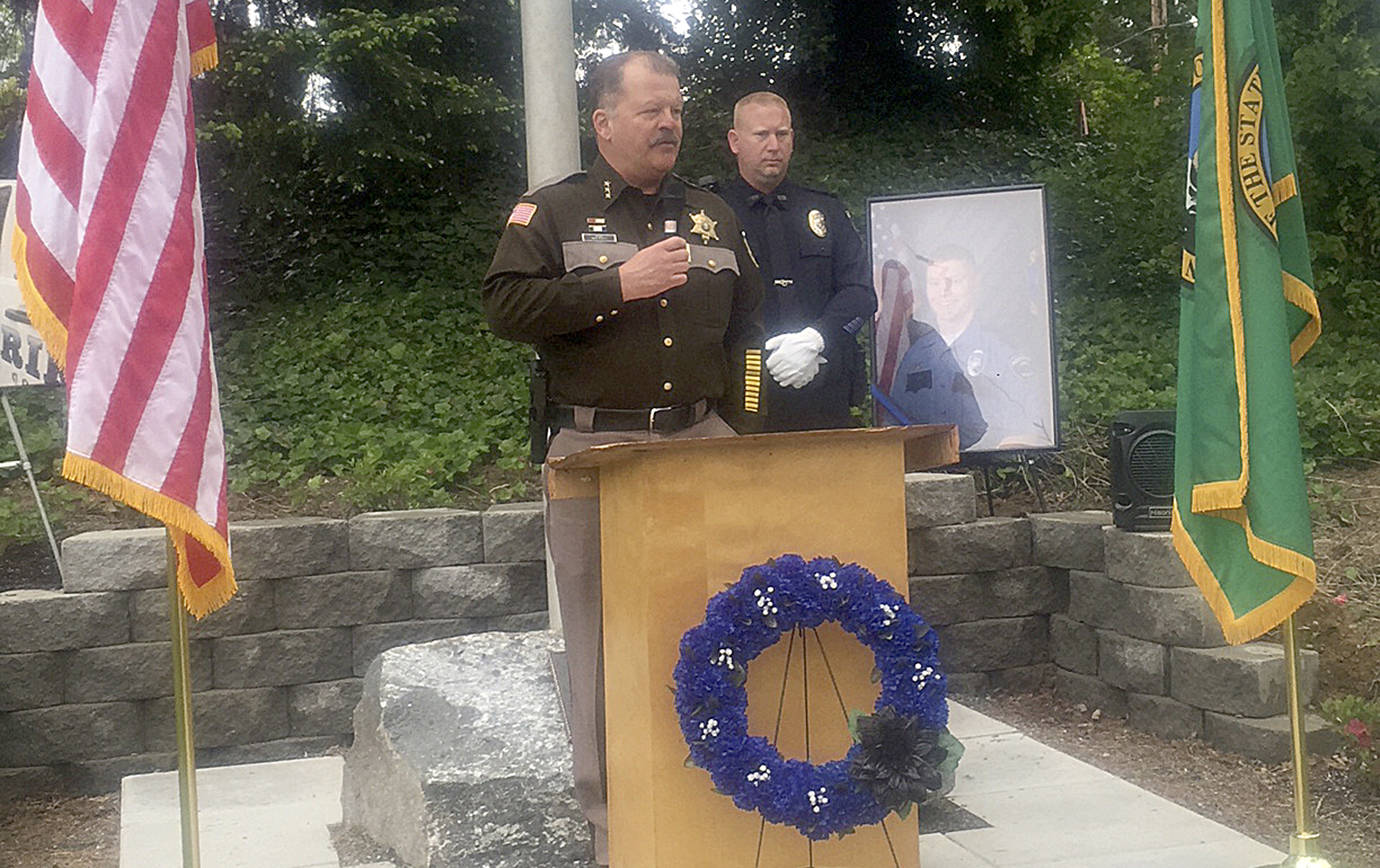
(522, 215)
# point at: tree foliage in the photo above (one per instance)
(1333, 87)
(358, 157)
(972, 63)
(356, 112)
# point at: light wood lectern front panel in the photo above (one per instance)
(681, 519)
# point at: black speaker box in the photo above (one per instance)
(1142, 469)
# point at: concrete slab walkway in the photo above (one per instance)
(1049, 810)
(259, 815)
(1045, 810)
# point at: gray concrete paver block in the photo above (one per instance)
(1096, 600)
(30, 680)
(1013, 593)
(415, 538)
(137, 671)
(1170, 616)
(997, 643)
(283, 657)
(995, 543)
(1073, 644)
(282, 548)
(69, 733)
(1133, 664)
(220, 718)
(1071, 540)
(514, 532)
(479, 590)
(1144, 559)
(1267, 739)
(1248, 680)
(343, 599)
(249, 611)
(324, 708)
(1163, 717)
(934, 499)
(115, 560)
(1091, 692)
(36, 620)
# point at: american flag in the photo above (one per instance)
(893, 321)
(108, 247)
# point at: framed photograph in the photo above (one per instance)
(964, 333)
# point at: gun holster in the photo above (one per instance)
(538, 411)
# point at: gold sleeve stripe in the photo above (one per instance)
(752, 380)
(1285, 189)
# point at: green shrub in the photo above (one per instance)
(388, 381)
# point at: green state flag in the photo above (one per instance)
(1248, 312)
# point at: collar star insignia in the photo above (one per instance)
(705, 227)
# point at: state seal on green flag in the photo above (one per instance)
(1247, 314)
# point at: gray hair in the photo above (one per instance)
(606, 78)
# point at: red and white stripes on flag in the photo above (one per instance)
(893, 321)
(109, 253)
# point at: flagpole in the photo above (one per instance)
(182, 712)
(1304, 847)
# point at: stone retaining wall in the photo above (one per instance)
(1108, 617)
(85, 683)
(1139, 641)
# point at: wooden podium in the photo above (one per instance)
(679, 520)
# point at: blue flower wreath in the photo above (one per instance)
(741, 622)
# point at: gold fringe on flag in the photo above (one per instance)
(204, 59)
(1302, 296)
(1262, 619)
(181, 520)
(49, 326)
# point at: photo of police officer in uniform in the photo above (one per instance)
(963, 338)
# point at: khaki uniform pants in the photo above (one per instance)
(572, 538)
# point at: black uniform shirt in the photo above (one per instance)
(816, 274)
(554, 283)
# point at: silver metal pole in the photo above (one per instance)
(548, 90)
(33, 484)
(553, 126)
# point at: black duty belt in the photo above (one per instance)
(660, 420)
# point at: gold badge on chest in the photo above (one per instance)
(816, 220)
(705, 227)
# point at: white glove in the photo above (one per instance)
(795, 358)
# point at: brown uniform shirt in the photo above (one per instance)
(554, 284)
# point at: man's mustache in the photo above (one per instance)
(666, 139)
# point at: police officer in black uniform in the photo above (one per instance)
(814, 267)
(1003, 380)
(644, 302)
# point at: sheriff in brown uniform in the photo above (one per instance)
(643, 300)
